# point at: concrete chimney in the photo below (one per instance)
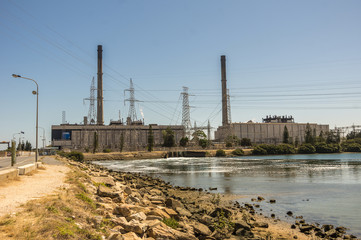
(224, 92)
(100, 119)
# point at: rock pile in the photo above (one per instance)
(142, 207)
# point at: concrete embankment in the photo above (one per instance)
(142, 207)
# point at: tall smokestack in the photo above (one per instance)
(224, 92)
(100, 120)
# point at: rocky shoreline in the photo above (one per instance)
(143, 207)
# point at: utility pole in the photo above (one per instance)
(132, 114)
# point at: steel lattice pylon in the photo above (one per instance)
(132, 113)
(92, 115)
(186, 119)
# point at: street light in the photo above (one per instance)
(37, 110)
(21, 132)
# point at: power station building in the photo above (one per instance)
(130, 136)
(270, 130)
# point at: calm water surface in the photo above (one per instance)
(323, 188)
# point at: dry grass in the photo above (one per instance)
(64, 215)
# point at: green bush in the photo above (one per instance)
(351, 147)
(270, 149)
(220, 153)
(246, 142)
(76, 156)
(258, 150)
(229, 144)
(107, 150)
(238, 152)
(327, 148)
(306, 148)
(285, 149)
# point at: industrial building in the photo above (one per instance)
(269, 131)
(117, 135)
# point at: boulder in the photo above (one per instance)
(104, 191)
(171, 212)
(123, 210)
(140, 216)
(131, 236)
(159, 232)
(173, 203)
(183, 212)
(240, 224)
(108, 181)
(127, 190)
(261, 225)
(158, 212)
(219, 211)
(115, 236)
(201, 229)
(135, 226)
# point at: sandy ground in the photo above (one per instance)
(42, 182)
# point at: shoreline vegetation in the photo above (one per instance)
(102, 204)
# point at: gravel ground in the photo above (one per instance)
(42, 182)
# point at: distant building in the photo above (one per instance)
(270, 131)
(81, 137)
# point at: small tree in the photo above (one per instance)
(27, 146)
(309, 137)
(246, 142)
(232, 140)
(297, 141)
(184, 141)
(286, 135)
(95, 142)
(121, 145)
(150, 139)
(168, 137)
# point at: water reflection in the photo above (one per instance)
(330, 182)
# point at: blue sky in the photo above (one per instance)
(299, 58)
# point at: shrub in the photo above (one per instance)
(228, 144)
(285, 149)
(76, 156)
(220, 153)
(171, 222)
(258, 150)
(351, 147)
(306, 148)
(203, 143)
(246, 142)
(238, 152)
(107, 150)
(327, 148)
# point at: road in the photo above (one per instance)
(5, 162)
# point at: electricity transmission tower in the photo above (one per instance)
(92, 112)
(132, 115)
(186, 118)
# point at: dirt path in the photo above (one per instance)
(42, 182)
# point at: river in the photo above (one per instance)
(323, 188)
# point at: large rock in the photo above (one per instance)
(159, 232)
(115, 236)
(240, 224)
(173, 203)
(221, 211)
(103, 180)
(140, 216)
(104, 191)
(135, 226)
(124, 210)
(201, 229)
(171, 212)
(158, 212)
(183, 212)
(131, 236)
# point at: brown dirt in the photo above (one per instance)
(42, 182)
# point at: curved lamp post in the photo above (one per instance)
(37, 110)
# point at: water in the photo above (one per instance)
(323, 188)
